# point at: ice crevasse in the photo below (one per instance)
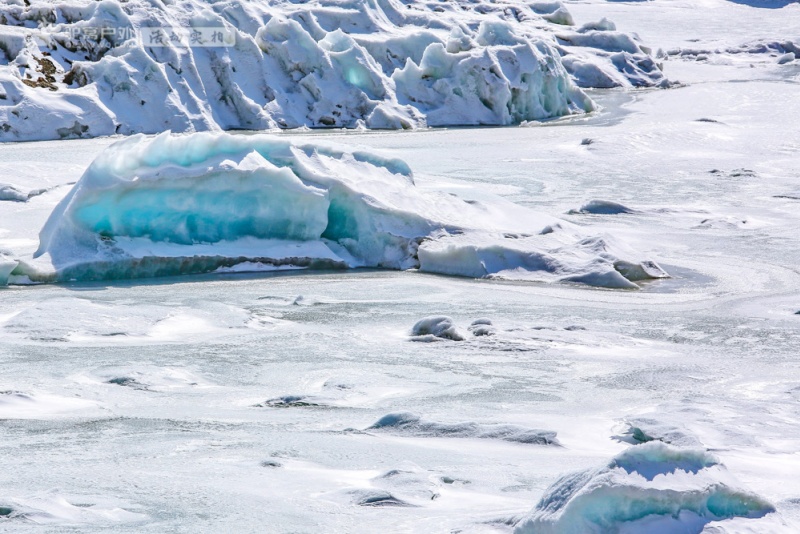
(180, 204)
(80, 68)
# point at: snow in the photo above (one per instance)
(603, 207)
(209, 202)
(26, 405)
(436, 327)
(140, 390)
(52, 508)
(410, 424)
(75, 68)
(652, 487)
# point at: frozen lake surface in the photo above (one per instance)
(248, 402)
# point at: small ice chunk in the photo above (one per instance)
(290, 401)
(482, 327)
(439, 326)
(603, 207)
(645, 429)
(9, 192)
(7, 265)
(376, 497)
(786, 58)
(647, 488)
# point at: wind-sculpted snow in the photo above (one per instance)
(436, 327)
(412, 425)
(189, 204)
(647, 488)
(79, 68)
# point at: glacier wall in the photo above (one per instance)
(80, 68)
(181, 204)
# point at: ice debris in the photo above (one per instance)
(188, 204)
(652, 487)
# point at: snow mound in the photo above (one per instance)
(647, 488)
(603, 207)
(646, 429)
(189, 204)
(51, 508)
(482, 327)
(27, 405)
(436, 327)
(411, 424)
(82, 68)
(375, 498)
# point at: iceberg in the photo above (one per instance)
(183, 204)
(652, 487)
(82, 68)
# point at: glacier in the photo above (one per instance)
(206, 202)
(652, 487)
(79, 68)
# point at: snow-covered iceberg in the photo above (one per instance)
(81, 68)
(196, 203)
(647, 488)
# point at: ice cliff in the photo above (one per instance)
(80, 68)
(180, 204)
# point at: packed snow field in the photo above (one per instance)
(616, 353)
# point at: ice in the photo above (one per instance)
(482, 327)
(652, 487)
(211, 202)
(521, 259)
(9, 192)
(604, 207)
(82, 69)
(509, 81)
(437, 327)
(407, 423)
(376, 498)
(709, 354)
(646, 429)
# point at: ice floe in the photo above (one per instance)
(652, 487)
(192, 204)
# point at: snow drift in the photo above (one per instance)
(648, 488)
(80, 68)
(189, 204)
(410, 424)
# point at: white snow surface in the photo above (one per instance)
(78, 68)
(236, 401)
(205, 202)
